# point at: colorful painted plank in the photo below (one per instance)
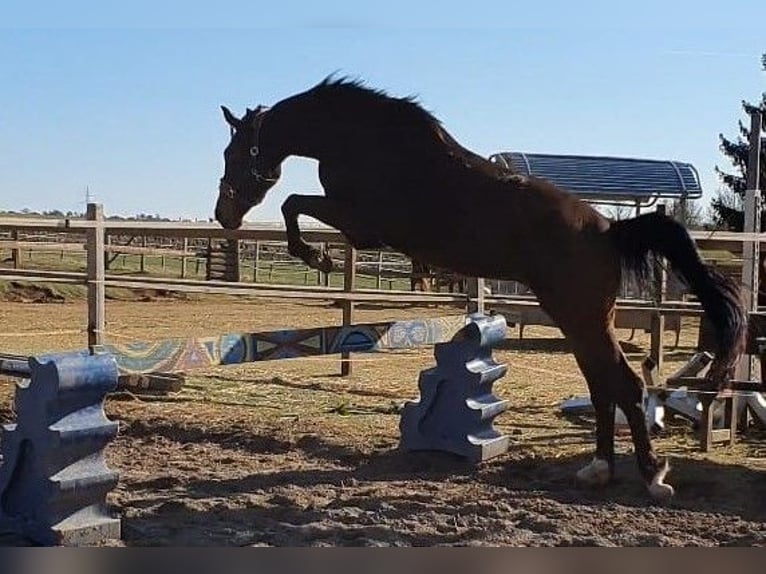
(183, 354)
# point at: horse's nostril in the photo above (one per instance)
(226, 190)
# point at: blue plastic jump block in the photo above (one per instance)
(53, 477)
(457, 406)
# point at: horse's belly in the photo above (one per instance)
(475, 260)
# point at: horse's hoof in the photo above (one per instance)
(319, 260)
(325, 264)
(597, 473)
(659, 490)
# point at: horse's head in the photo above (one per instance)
(248, 174)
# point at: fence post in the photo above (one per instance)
(256, 260)
(476, 295)
(751, 248)
(658, 319)
(183, 258)
(142, 258)
(15, 252)
(323, 279)
(349, 284)
(108, 256)
(94, 238)
(378, 278)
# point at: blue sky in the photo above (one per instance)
(124, 99)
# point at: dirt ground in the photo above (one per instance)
(287, 453)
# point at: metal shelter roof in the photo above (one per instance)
(608, 179)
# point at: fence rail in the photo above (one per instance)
(99, 242)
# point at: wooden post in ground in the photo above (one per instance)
(751, 249)
(659, 287)
(323, 279)
(378, 278)
(349, 283)
(475, 295)
(15, 251)
(95, 276)
(256, 260)
(107, 257)
(183, 258)
(143, 256)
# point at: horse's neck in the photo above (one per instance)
(315, 129)
(312, 126)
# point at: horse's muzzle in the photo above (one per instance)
(226, 212)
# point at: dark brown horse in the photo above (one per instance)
(393, 176)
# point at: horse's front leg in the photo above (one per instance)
(331, 212)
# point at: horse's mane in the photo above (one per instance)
(354, 92)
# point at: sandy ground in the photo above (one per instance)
(288, 453)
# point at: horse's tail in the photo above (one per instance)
(641, 238)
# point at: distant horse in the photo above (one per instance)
(421, 277)
(393, 176)
(425, 277)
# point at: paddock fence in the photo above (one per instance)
(102, 253)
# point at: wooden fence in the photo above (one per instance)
(97, 234)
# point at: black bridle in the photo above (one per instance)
(255, 150)
(225, 187)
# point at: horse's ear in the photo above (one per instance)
(231, 119)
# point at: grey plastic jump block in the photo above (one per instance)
(53, 477)
(456, 406)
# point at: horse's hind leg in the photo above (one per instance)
(588, 324)
(629, 397)
(612, 381)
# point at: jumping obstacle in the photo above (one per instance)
(715, 415)
(653, 407)
(158, 366)
(53, 476)
(456, 406)
(181, 354)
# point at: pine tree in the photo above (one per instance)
(727, 208)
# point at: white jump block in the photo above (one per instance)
(655, 411)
